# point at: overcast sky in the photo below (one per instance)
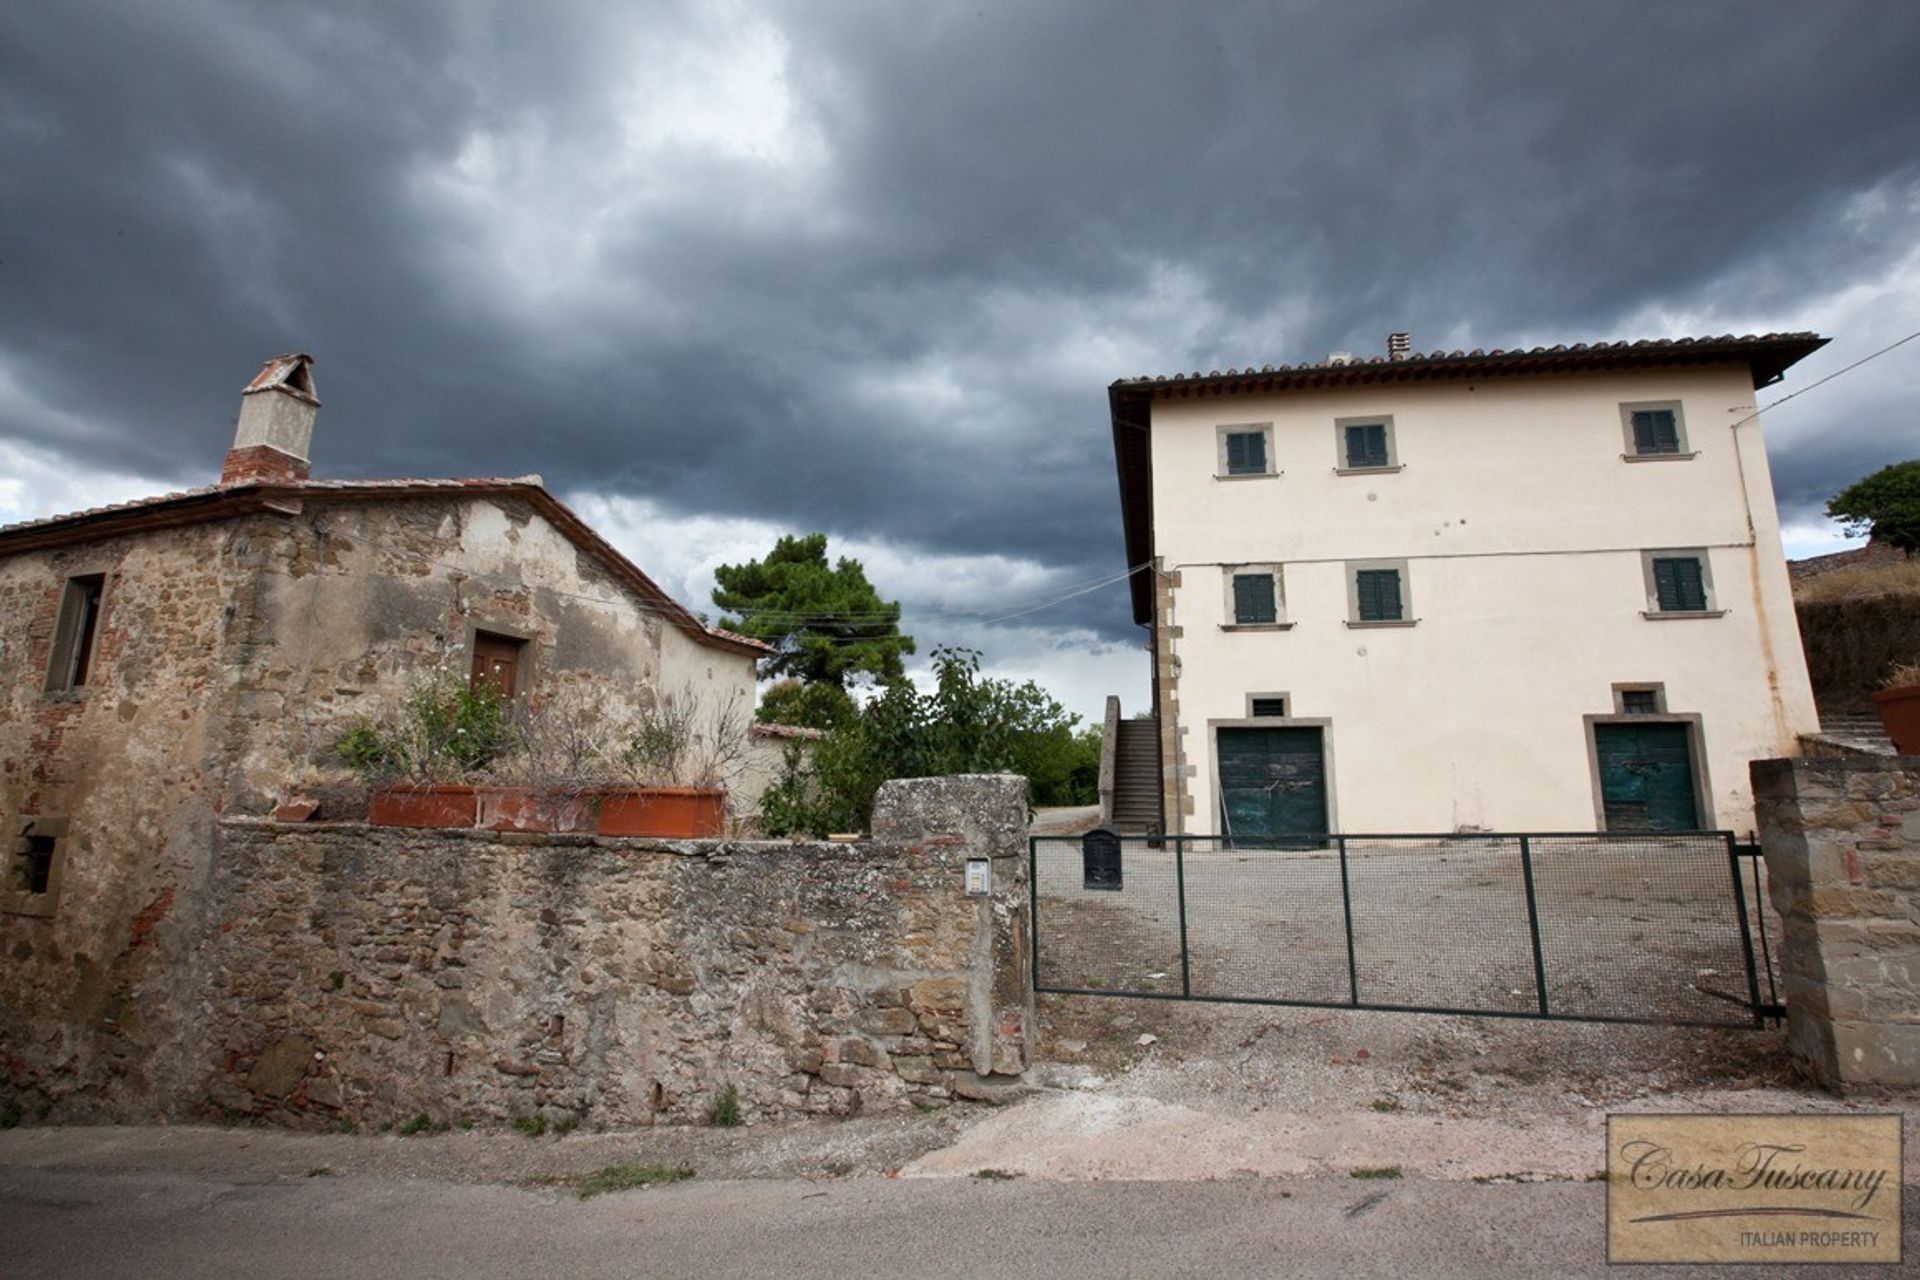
(719, 271)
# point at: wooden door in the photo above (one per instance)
(1646, 776)
(496, 661)
(1273, 785)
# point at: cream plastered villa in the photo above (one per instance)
(1536, 590)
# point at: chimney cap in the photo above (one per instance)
(291, 373)
(1399, 345)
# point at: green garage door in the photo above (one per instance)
(1273, 785)
(1646, 777)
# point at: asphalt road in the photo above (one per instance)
(84, 1223)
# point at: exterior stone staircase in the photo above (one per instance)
(1136, 775)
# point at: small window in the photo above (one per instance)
(1678, 582)
(30, 883)
(1267, 707)
(1366, 444)
(74, 633)
(1253, 601)
(1639, 702)
(1377, 593)
(1654, 430)
(1245, 450)
(497, 661)
(37, 864)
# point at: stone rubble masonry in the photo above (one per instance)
(1842, 843)
(367, 975)
(230, 657)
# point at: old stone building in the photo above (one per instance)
(170, 661)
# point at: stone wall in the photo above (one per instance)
(369, 975)
(229, 658)
(96, 975)
(1851, 643)
(1842, 843)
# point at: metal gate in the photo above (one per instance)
(1638, 927)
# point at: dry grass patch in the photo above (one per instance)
(1859, 582)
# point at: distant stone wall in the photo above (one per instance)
(369, 975)
(1850, 644)
(1842, 843)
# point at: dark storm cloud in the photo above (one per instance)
(880, 288)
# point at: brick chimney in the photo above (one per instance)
(276, 424)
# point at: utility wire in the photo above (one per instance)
(1829, 378)
(794, 619)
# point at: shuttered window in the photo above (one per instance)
(71, 664)
(1246, 453)
(1253, 599)
(1263, 708)
(1377, 595)
(1639, 702)
(1679, 585)
(1655, 431)
(1367, 445)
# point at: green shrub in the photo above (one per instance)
(724, 1111)
(448, 731)
(623, 1177)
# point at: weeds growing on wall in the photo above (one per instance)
(449, 731)
(724, 1111)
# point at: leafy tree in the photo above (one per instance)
(812, 706)
(827, 621)
(1885, 504)
(965, 725)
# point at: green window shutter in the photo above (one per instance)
(1679, 585)
(1253, 598)
(1378, 594)
(1246, 453)
(1654, 431)
(1367, 445)
(1264, 707)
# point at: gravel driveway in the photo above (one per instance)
(1628, 929)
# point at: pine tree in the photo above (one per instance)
(827, 621)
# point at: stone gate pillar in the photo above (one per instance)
(1842, 843)
(952, 821)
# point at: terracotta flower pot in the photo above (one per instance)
(1900, 712)
(534, 809)
(422, 805)
(678, 812)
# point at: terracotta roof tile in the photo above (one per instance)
(1763, 348)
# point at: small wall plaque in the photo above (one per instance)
(979, 878)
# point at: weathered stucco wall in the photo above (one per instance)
(356, 603)
(371, 975)
(1842, 842)
(95, 975)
